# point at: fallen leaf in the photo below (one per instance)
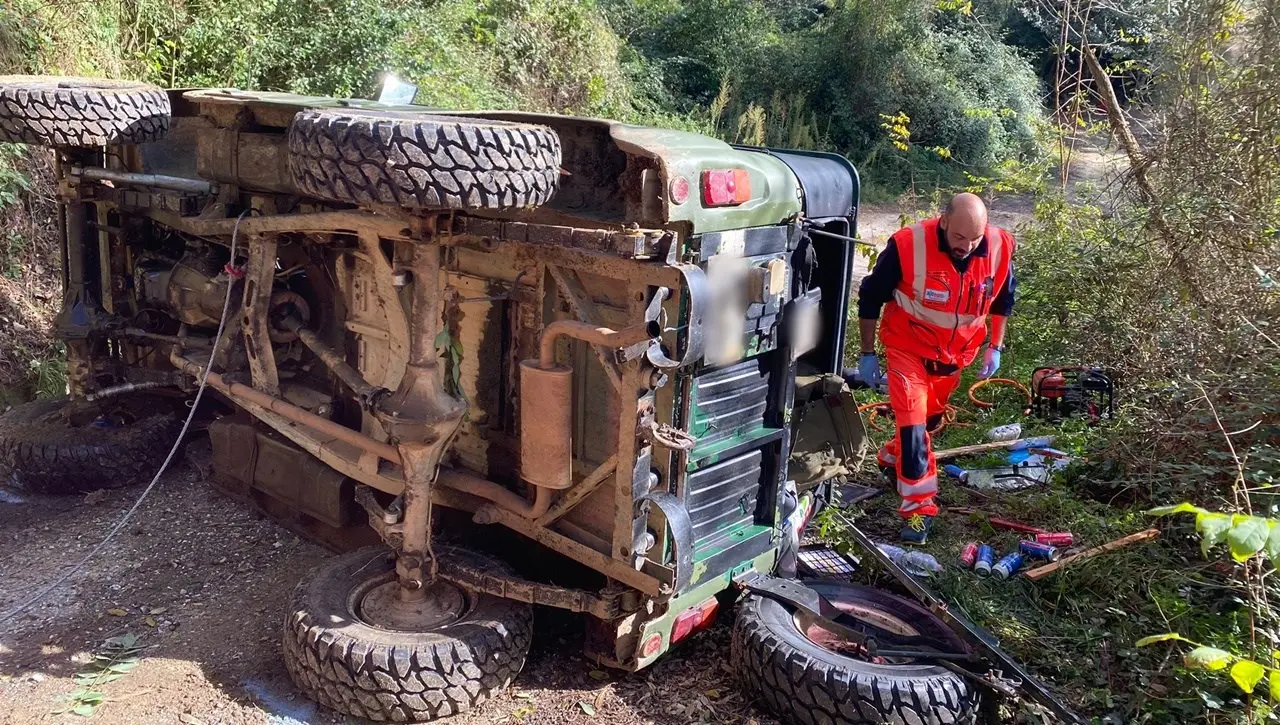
(150, 621)
(600, 697)
(598, 675)
(95, 496)
(102, 678)
(117, 612)
(123, 641)
(190, 719)
(713, 694)
(524, 695)
(587, 707)
(158, 610)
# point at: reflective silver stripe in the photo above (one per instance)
(993, 249)
(919, 266)
(937, 318)
(907, 507)
(924, 486)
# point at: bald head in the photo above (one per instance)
(963, 223)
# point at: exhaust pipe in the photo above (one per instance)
(546, 400)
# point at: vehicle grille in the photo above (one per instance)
(724, 495)
(729, 402)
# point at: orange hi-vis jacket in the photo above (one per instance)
(938, 312)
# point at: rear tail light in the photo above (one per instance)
(696, 619)
(651, 646)
(725, 187)
(678, 190)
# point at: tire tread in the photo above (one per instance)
(409, 681)
(430, 162)
(801, 689)
(42, 457)
(35, 110)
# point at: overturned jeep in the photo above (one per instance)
(497, 360)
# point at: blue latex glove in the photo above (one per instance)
(990, 363)
(869, 370)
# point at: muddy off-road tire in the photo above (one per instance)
(422, 161)
(71, 111)
(41, 451)
(802, 681)
(348, 664)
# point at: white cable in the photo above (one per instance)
(226, 305)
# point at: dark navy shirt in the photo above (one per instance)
(877, 288)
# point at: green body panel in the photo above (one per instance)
(775, 191)
(729, 538)
(704, 455)
(699, 594)
(700, 426)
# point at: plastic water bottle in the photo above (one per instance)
(916, 563)
(1005, 432)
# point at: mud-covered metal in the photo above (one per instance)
(546, 425)
(335, 360)
(423, 419)
(680, 531)
(258, 279)
(697, 296)
(776, 194)
(608, 605)
(579, 492)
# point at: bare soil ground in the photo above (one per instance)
(214, 578)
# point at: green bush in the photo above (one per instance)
(825, 75)
(781, 72)
(544, 55)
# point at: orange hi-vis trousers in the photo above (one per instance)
(919, 399)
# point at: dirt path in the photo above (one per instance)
(214, 578)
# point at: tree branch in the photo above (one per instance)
(1139, 164)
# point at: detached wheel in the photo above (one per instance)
(57, 446)
(73, 111)
(806, 674)
(422, 161)
(352, 647)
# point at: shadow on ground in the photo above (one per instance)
(204, 582)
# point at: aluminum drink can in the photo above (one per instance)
(969, 554)
(1062, 538)
(1037, 550)
(1008, 565)
(986, 557)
